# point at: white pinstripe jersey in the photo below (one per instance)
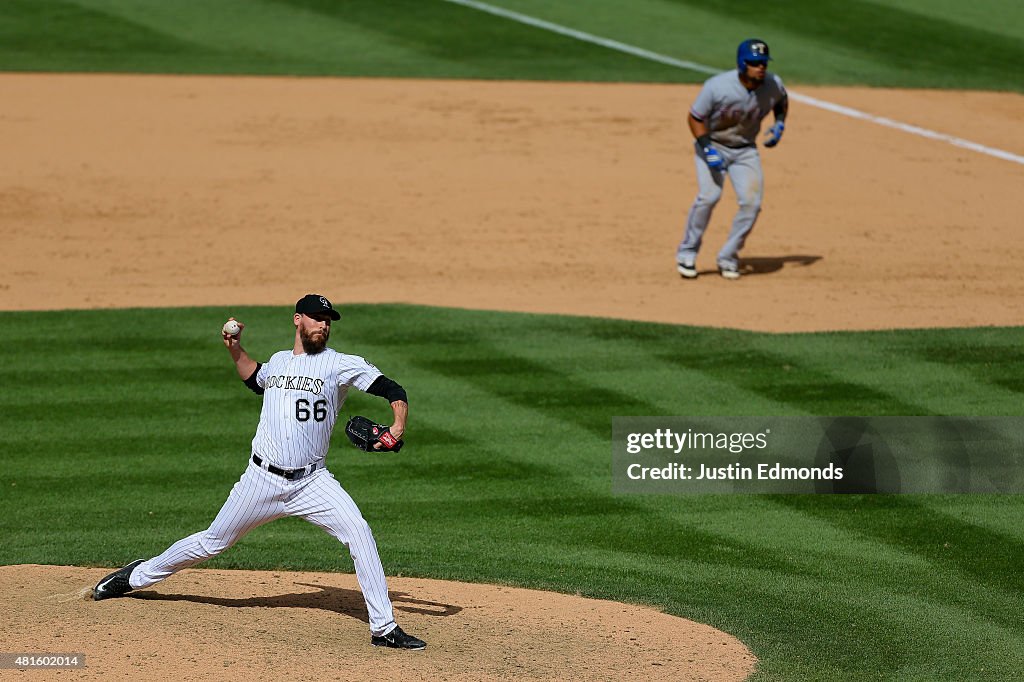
(303, 395)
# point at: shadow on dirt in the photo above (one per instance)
(765, 265)
(337, 599)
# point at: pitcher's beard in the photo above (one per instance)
(313, 342)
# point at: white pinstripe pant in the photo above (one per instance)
(259, 497)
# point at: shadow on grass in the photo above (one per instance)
(337, 599)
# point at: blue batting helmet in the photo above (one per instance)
(751, 50)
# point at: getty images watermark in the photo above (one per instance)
(685, 455)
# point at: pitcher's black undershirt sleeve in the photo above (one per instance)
(251, 381)
(388, 389)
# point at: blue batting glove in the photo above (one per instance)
(713, 158)
(774, 134)
(710, 154)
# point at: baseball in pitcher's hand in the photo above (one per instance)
(232, 340)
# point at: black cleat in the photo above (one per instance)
(687, 270)
(729, 271)
(397, 639)
(115, 584)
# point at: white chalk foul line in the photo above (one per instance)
(907, 128)
(703, 68)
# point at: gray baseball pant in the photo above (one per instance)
(743, 166)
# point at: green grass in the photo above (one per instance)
(898, 43)
(124, 431)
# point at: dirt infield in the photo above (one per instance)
(246, 625)
(541, 197)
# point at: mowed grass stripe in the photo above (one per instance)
(984, 356)
(922, 372)
(997, 16)
(633, 363)
(506, 477)
(400, 38)
(862, 43)
(862, 546)
(927, 372)
(300, 39)
(907, 547)
(872, 43)
(59, 35)
(985, 556)
(994, 512)
(887, 36)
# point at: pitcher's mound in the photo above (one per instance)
(247, 625)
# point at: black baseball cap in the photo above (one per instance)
(311, 304)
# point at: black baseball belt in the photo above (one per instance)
(288, 474)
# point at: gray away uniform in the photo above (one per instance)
(733, 115)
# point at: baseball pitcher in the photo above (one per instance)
(725, 119)
(303, 389)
